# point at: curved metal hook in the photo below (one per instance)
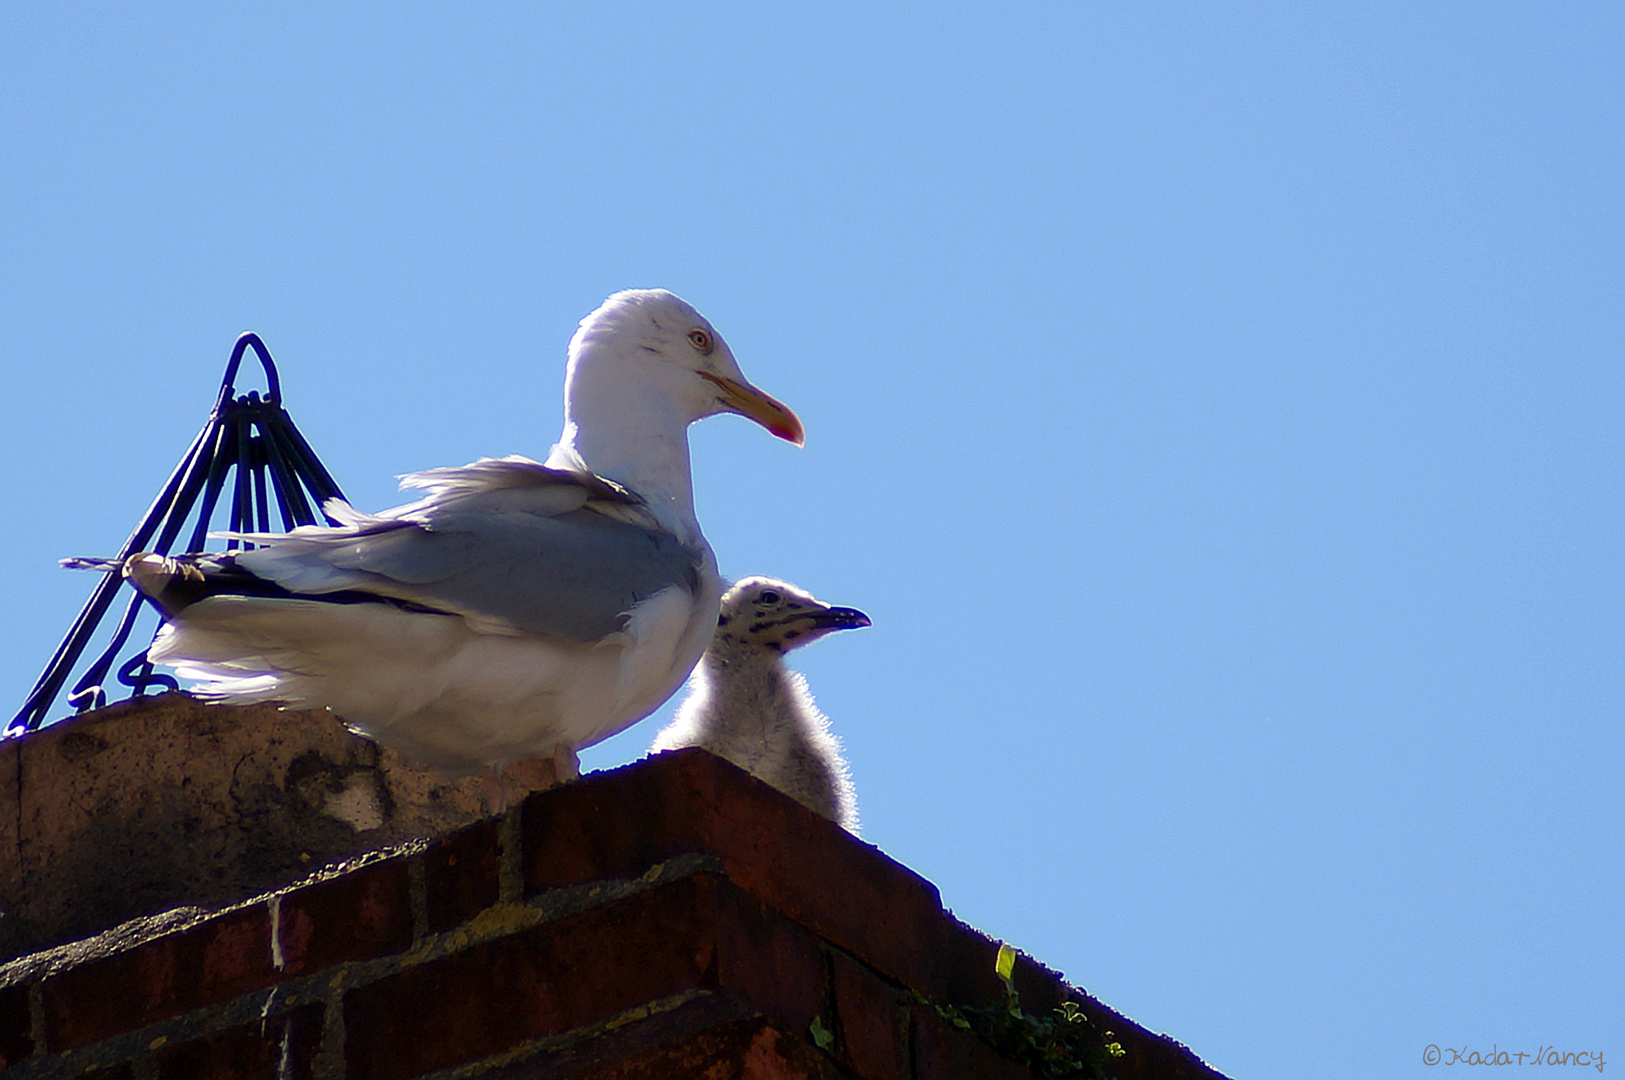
(273, 385)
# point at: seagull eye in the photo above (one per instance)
(701, 340)
(771, 597)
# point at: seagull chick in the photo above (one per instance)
(520, 610)
(746, 706)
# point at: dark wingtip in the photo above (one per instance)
(106, 566)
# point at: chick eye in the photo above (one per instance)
(701, 340)
(770, 597)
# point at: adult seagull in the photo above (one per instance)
(520, 610)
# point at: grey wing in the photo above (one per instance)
(574, 575)
(548, 555)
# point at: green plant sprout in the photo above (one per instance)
(1066, 1045)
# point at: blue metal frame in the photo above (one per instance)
(251, 434)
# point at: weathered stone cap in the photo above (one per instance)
(165, 801)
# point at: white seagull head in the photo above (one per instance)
(656, 342)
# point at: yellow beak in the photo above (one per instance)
(765, 409)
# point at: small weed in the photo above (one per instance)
(1066, 1045)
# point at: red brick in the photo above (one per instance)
(1042, 989)
(774, 963)
(968, 960)
(1155, 1057)
(872, 1026)
(537, 982)
(942, 1051)
(969, 975)
(16, 1040)
(214, 961)
(249, 1052)
(125, 1071)
(698, 933)
(709, 1036)
(462, 873)
(364, 913)
(618, 824)
(745, 1049)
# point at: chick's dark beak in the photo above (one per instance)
(839, 618)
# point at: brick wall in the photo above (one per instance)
(674, 918)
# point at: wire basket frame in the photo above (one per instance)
(251, 447)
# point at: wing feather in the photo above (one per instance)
(511, 545)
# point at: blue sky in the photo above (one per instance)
(1218, 410)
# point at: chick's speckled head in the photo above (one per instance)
(776, 615)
